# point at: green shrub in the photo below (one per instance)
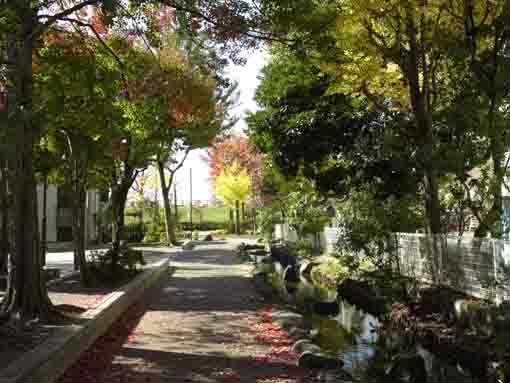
(201, 226)
(267, 217)
(219, 233)
(155, 232)
(134, 232)
(101, 268)
(304, 249)
(340, 266)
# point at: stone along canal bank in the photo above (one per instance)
(204, 323)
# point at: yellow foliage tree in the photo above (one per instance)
(398, 50)
(233, 184)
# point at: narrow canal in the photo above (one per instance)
(368, 348)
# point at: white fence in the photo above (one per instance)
(475, 266)
(326, 240)
(478, 267)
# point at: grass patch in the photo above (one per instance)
(204, 214)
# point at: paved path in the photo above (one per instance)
(197, 329)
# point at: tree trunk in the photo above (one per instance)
(26, 296)
(432, 205)
(4, 240)
(176, 211)
(44, 221)
(416, 70)
(165, 191)
(238, 223)
(231, 223)
(119, 198)
(79, 222)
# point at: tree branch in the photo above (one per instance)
(173, 171)
(253, 33)
(98, 36)
(66, 12)
(51, 19)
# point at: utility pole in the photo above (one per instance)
(191, 202)
(176, 212)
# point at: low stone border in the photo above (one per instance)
(47, 362)
(189, 244)
(56, 281)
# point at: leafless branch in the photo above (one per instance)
(181, 163)
(51, 19)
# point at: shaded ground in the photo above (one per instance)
(70, 298)
(199, 327)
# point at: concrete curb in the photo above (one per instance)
(48, 361)
(62, 279)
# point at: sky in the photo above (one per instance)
(247, 77)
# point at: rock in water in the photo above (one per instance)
(326, 308)
(306, 267)
(260, 279)
(304, 345)
(335, 376)
(298, 333)
(290, 275)
(188, 245)
(282, 254)
(318, 361)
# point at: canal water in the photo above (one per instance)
(368, 349)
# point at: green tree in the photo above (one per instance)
(479, 51)
(23, 25)
(76, 92)
(198, 112)
(304, 210)
(333, 139)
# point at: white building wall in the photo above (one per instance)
(51, 211)
(92, 208)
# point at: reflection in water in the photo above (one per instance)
(368, 349)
